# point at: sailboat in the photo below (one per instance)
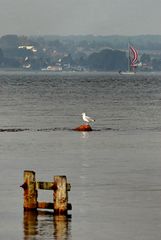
(133, 61)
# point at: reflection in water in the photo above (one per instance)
(44, 225)
(30, 224)
(61, 228)
(85, 134)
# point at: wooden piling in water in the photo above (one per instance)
(60, 195)
(60, 189)
(30, 192)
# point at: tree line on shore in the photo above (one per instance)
(77, 52)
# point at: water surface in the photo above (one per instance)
(114, 170)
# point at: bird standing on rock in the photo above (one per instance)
(86, 118)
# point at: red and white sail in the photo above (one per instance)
(133, 55)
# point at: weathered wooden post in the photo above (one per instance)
(30, 192)
(60, 195)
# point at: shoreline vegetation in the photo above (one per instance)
(78, 53)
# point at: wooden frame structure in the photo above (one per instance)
(60, 189)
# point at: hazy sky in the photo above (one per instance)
(65, 17)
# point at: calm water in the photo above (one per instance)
(114, 171)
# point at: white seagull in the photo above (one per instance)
(86, 118)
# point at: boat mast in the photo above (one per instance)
(128, 57)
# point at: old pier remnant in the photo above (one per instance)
(60, 189)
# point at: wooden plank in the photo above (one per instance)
(49, 185)
(49, 205)
(45, 205)
(44, 185)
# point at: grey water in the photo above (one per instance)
(114, 171)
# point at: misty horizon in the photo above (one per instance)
(80, 35)
(90, 17)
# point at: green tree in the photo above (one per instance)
(1, 56)
(145, 58)
(9, 41)
(107, 60)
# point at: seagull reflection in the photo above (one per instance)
(85, 134)
(44, 225)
